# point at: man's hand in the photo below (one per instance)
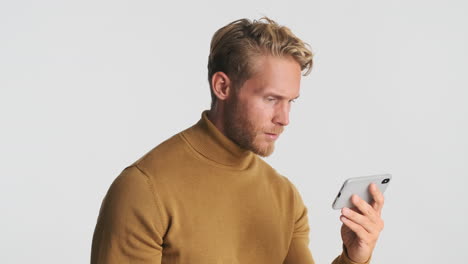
(362, 225)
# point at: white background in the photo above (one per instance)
(87, 87)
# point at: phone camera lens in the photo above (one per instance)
(385, 181)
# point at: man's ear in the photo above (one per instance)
(221, 85)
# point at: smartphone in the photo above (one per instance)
(360, 186)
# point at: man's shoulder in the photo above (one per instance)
(276, 179)
(167, 153)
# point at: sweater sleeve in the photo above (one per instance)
(128, 229)
(344, 259)
(299, 252)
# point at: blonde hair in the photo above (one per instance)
(234, 45)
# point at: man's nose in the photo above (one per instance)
(282, 115)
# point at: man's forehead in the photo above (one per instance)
(268, 86)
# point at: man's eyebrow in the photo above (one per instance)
(280, 96)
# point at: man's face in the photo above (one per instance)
(257, 112)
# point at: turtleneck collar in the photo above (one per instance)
(205, 138)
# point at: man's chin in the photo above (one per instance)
(264, 151)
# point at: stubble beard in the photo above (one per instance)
(240, 129)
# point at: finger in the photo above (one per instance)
(357, 229)
(365, 208)
(378, 198)
(365, 222)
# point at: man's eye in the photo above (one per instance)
(271, 99)
(292, 101)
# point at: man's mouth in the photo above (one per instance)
(272, 136)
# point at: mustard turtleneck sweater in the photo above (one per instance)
(198, 198)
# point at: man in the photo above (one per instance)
(204, 196)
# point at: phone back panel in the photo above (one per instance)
(360, 186)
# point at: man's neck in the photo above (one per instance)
(216, 116)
